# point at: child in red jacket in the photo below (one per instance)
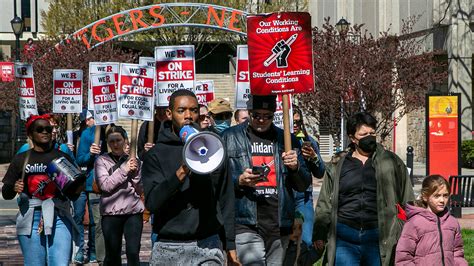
(431, 235)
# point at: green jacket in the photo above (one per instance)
(393, 187)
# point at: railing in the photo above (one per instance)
(462, 194)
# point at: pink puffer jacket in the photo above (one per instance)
(427, 238)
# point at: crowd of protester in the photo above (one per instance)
(256, 208)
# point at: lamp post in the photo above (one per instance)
(17, 26)
(342, 26)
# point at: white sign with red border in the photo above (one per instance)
(67, 91)
(27, 91)
(175, 70)
(101, 68)
(105, 98)
(242, 82)
(146, 61)
(136, 92)
(204, 91)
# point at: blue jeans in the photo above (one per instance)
(154, 236)
(357, 247)
(55, 249)
(304, 204)
(79, 212)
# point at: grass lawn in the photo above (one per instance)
(468, 238)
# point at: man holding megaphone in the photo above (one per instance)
(194, 208)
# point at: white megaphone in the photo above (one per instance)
(203, 152)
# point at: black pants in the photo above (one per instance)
(113, 227)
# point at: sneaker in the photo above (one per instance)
(92, 258)
(79, 258)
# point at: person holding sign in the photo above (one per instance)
(194, 213)
(359, 213)
(44, 223)
(265, 177)
(66, 148)
(121, 208)
(87, 153)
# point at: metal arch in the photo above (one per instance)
(169, 8)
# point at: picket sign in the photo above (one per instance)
(204, 91)
(26, 89)
(242, 83)
(280, 57)
(67, 95)
(175, 69)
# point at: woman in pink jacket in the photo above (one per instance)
(431, 235)
(118, 176)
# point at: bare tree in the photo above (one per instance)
(355, 71)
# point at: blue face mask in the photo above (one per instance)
(221, 125)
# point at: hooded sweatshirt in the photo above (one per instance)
(199, 207)
(430, 239)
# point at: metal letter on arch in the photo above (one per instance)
(162, 16)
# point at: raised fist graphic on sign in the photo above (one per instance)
(280, 52)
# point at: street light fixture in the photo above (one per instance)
(342, 25)
(17, 26)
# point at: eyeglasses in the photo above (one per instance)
(41, 129)
(258, 116)
(202, 117)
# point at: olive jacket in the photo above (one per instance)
(394, 189)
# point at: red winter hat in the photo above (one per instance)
(33, 118)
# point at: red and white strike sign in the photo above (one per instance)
(146, 61)
(105, 98)
(6, 72)
(136, 92)
(67, 91)
(174, 70)
(242, 84)
(101, 68)
(204, 91)
(280, 53)
(28, 106)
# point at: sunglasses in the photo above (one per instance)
(41, 129)
(258, 116)
(202, 117)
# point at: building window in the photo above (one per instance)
(26, 14)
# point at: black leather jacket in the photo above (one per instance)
(238, 147)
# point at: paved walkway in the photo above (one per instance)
(10, 253)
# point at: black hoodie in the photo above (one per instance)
(201, 206)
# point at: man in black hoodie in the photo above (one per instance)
(192, 210)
